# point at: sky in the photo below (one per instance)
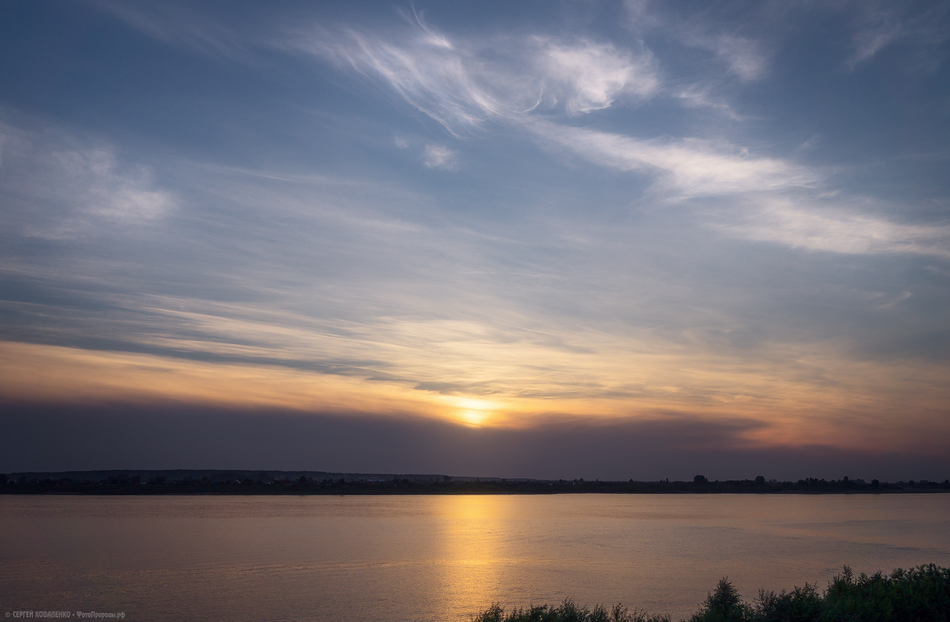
(615, 240)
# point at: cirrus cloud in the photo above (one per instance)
(59, 186)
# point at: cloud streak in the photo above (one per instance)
(836, 230)
(879, 25)
(687, 168)
(181, 26)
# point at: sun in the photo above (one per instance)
(473, 418)
(473, 412)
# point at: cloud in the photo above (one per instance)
(103, 189)
(424, 69)
(700, 96)
(639, 15)
(744, 56)
(453, 84)
(590, 76)
(687, 168)
(869, 42)
(460, 84)
(441, 157)
(810, 144)
(836, 230)
(879, 25)
(57, 185)
(182, 27)
(463, 85)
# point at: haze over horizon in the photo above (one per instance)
(587, 239)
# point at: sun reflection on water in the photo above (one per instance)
(475, 565)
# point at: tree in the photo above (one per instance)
(759, 479)
(723, 605)
(700, 479)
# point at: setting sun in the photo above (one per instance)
(473, 412)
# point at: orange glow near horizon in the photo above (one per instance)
(792, 414)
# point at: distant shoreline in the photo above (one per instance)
(252, 483)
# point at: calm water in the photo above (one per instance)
(441, 558)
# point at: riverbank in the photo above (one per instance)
(278, 483)
(921, 594)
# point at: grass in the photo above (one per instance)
(566, 612)
(921, 594)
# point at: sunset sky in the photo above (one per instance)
(517, 239)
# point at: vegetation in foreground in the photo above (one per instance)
(920, 594)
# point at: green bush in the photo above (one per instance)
(921, 594)
(566, 612)
(723, 605)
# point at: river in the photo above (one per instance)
(441, 558)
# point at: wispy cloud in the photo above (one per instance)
(181, 26)
(424, 69)
(870, 41)
(582, 77)
(701, 96)
(687, 167)
(745, 57)
(878, 25)
(95, 178)
(440, 156)
(462, 86)
(590, 76)
(835, 229)
(57, 185)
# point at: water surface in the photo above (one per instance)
(394, 558)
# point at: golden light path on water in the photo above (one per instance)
(470, 547)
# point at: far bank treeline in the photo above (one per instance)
(276, 483)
